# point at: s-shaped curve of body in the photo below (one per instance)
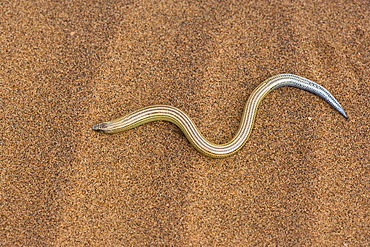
(178, 117)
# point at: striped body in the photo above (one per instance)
(178, 117)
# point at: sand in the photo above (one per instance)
(302, 179)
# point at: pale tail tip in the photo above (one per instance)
(343, 113)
